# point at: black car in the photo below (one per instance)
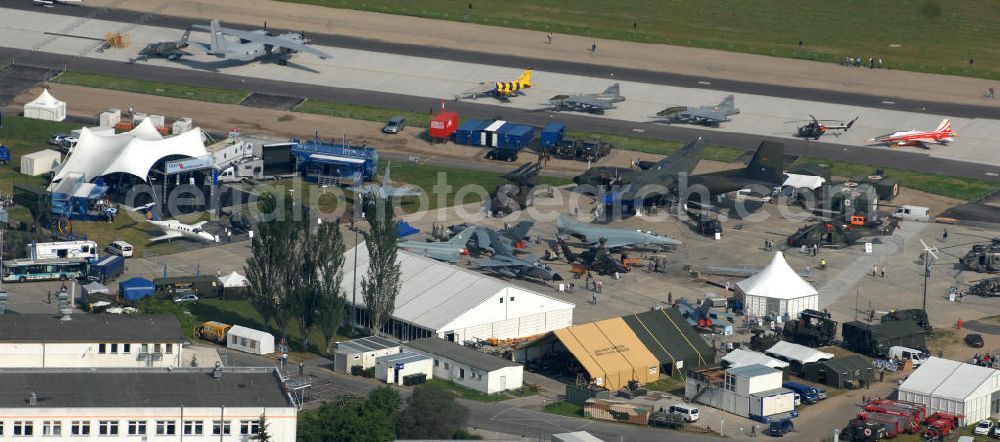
(974, 340)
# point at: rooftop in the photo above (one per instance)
(460, 354)
(950, 379)
(403, 358)
(90, 328)
(363, 345)
(753, 370)
(145, 387)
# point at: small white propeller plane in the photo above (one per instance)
(173, 229)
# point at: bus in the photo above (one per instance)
(63, 250)
(24, 270)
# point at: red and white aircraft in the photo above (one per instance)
(942, 135)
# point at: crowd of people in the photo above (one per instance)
(857, 62)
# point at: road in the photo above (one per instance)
(510, 59)
(864, 155)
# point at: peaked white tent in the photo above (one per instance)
(776, 291)
(797, 353)
(134, 152)
(234, 279)
(45, 107)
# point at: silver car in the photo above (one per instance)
(395, 125)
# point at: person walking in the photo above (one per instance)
(882, 270)
(944, 235)
(593, 297)
(593, 47)
(753, 431)
(600, 285)
(549, 38)
(874, 270)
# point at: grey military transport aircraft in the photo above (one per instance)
(593, 103)
(255, 44)
(703, 115)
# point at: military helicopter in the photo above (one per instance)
(983, 258)
(815, 128)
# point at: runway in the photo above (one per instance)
(391, 81)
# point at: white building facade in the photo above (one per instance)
(954, 387)
(147, 406)
(469, 368)
(752, 391)
(91, 341)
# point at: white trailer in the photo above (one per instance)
(63, 249)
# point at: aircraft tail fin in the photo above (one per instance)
(147, 210)
(768, 163)
(462, 237)
(945, 126)
(614, 90)
(521, 229)
(728, 103)
(183, 42)
(525, 79)
(850, 123)
(216, 34)
(499, 248)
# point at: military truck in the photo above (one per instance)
(858, 430)
(875, 339)
(763, 339)
(813, 329)
(916, 314)
(582, 150)
(986, 287)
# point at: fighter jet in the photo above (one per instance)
(512, 237)
(499, 89)
(171, 50)
(610, 237)
(593, 103)
(256, 44)
(504, 263)
(448, 251)
(387, 190)
(943, 135)
(173, 229)
(704, 115)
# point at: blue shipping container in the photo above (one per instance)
(552, 134)
(108, 267)
(515, 136)
(470, 132)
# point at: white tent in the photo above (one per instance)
(45, 107)
(740, 357)
(777, 291)
(134, 152)
(40, 163)
(954, 387)
(249, 340)
(233, 280)
(803, 181)
(797, 353)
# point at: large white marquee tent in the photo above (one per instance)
(45, 107)
(776, 291)
(134, 152)
(954, 387)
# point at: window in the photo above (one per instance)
(137, 428)
(243, 342)
(236, 340)
(461, 373)
(109, 428)
(156, 348)
(170, 348)
(221, 427)
(251, 427)
(253, 344)
(730, 382)
(501, 299)
(435, 362)
(511, 299)
(126, 348)
(24, 428)
(446, 366)
(196, 428)
(145, 348)
(1, 428)
(101, 348)
(114, 348)
(168, 428)
(52, 428)
(80, 428)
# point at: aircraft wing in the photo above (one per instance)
(497, 263)
(398, 192)
(268, 40)
(167, 235)
(433, 253)
(199, 224)
(708, 114)
(481, 89)
(923, 140)
(618, 242)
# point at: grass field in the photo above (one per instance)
(213, 95)
(563, 408)
(239, 312)
(917, 35)
(360, 112)
(968, 189)
(468, 393)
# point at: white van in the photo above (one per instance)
(905, 353)
(120, 248)
(912, 213)
(690, 412)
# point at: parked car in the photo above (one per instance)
(395, 125)
(120, 248)
(67, 144)
(689, 412)
(187, 298)
(974, 340)
(996, 432)
(983, 428)
(56, 139)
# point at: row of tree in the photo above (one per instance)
(430, 413)
(295, 270)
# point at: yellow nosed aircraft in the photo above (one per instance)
(501, 90)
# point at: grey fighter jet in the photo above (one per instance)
(593, 103)
(255, 44)
(387, 190)
(171, 50)
(505, 263)
(704, 115)
(614, 238)
(448, 251)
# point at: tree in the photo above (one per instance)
(325, 261)
(150, 306)
(262, 434)
(431, 413)
(354, 418)
(381, 285)
(275, 262)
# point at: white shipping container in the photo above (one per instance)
(111, 117)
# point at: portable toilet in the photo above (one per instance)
(491, 135)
